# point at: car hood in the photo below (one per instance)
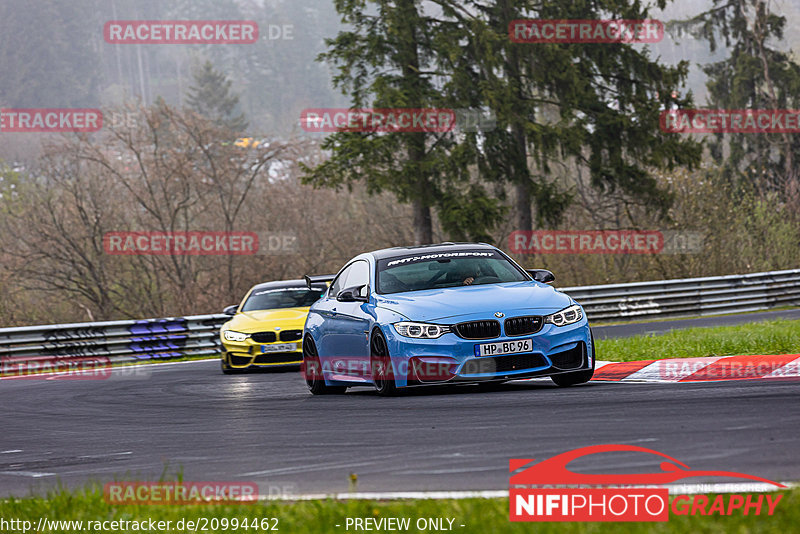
(258, 320)
(453, 303)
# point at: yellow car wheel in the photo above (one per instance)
(227, 369)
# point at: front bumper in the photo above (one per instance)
(556, 349)
(248, 354)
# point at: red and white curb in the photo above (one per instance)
(762, 367)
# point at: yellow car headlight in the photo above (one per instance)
(232, 335)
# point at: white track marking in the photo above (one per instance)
(675, 489)
(307, 468)
(106, 455)
(31, 474)
(160, 364)
(390, 495)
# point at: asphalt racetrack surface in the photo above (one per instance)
(266, 428)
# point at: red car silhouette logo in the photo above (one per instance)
(553, 471)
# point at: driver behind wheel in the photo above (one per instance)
(463, 272)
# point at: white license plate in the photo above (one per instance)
(504, 347)
(280, 347)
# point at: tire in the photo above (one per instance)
(578, 377)
(494, 385)
(227, 369)
(312, 371)
(571, 379)
(380, 364)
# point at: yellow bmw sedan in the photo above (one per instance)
(266, 329)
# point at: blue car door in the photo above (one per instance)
(329, 336)
(352, 324)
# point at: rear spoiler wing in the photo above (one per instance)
(321, 278)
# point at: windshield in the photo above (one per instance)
(448, 269)
(282, 297)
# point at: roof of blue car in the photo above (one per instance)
(428, 249)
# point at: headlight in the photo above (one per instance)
(420, 330)
(570, 315)
(232, 335)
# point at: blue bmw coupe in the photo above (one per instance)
(442, 314)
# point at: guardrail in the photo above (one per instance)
(198, 335)
(119, 341)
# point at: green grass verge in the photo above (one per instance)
(308, 517)
(616, 322)
(768, 337)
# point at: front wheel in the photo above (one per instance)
(572, 379)
(381, 366)
(312, 371)
(226, 369)
(492, 385)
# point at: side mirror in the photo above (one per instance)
(231, 310)
(351, 294)
(542, 275)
